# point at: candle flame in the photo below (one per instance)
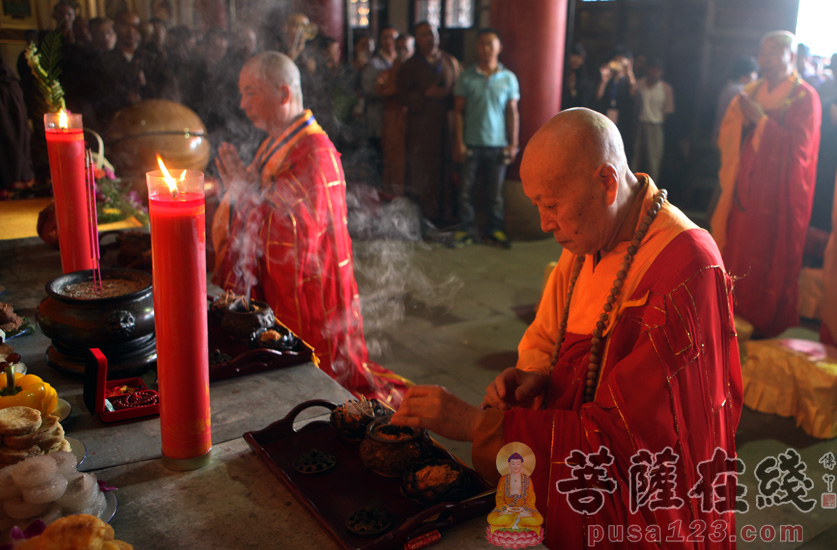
(167, 177)
(63, 121)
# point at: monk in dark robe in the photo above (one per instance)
(425, 85)
(15, 156)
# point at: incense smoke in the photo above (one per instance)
(388, 277)
(385, 235)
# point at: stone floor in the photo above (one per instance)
(454, 318)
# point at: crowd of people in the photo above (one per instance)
(390, 113)
(423, 127)
(632, 94)
(775, 121)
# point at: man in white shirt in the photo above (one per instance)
(656, 99)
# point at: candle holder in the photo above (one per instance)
(65, 146)
(178, 259)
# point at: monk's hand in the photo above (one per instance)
(232, 171)
(514, 388)
(438, 410)
(751, 110)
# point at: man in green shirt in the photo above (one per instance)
(486, 137)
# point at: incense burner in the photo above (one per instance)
(389, 450)
(243, 318)
(121, 325)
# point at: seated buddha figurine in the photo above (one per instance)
(515, 508)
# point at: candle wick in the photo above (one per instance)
(174, 192)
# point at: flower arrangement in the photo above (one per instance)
(114, 200)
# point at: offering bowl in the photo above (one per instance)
(243, 318)
(435, 480)
(389, 450)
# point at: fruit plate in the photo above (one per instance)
(77, 448)
(336, 495)
(110, 507)
(62, 409)
(24, 329)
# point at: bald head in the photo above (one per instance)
(296, 26)
(270, 91)
(573, 142)
(777, 56)
(575, 172)
(277, 69)
(297, 20)
(785, 38)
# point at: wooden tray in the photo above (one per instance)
(333, 496)
(244, 358)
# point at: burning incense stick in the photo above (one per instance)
(92, 219)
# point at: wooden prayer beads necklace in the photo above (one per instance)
(596, 342)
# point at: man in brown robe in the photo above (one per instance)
(425, 86)
(15, 157)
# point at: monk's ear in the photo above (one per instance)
(284, 94)
(607, 177)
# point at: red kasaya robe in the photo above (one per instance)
(767, 177)
(669, 385)
(289, 245)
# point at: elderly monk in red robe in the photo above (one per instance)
(769, 142)
(280, 232)
(631, 365)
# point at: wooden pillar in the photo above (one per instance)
(533, 48)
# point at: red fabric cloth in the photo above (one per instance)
(671, 377)
(769, 215)
(292, 241)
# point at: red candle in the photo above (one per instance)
(65, 145)
(178, 259)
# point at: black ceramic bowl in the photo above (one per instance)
(435, 480)
(241, 323)
(389, 450)
(275, 337)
